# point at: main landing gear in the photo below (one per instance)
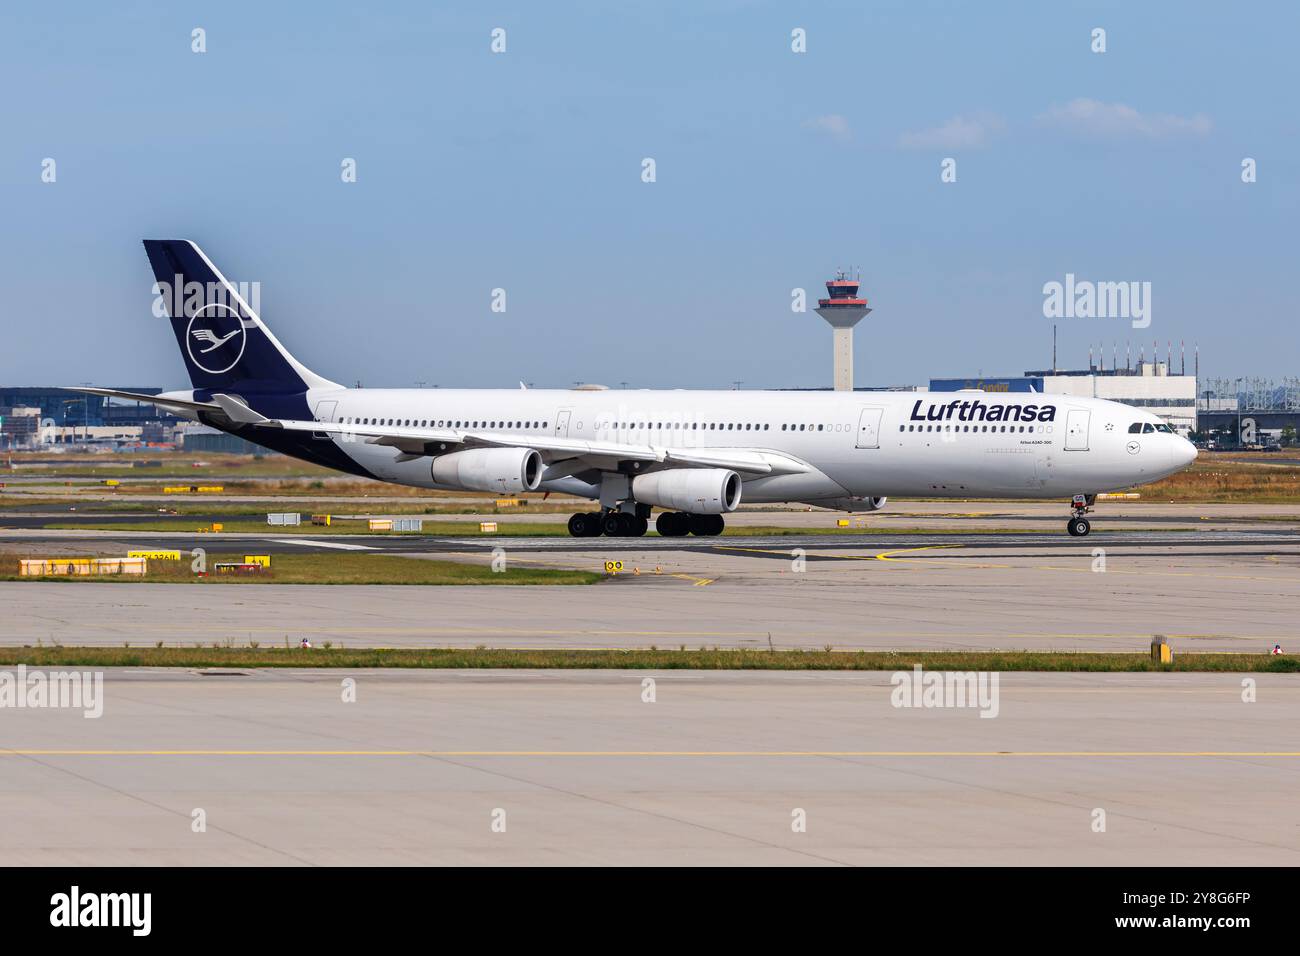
(1078, 525)
(678, 524)
(621, 524)
(615, 524)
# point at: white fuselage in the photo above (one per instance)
(856, 444)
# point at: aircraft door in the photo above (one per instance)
(324, 413)
(562, 422)
(1076, 429)
(869, 428)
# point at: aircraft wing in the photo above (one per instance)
(580, 454)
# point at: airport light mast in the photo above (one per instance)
(843, 310)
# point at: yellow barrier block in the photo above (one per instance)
(841, 522)
(155, 555)
(381, 524)
(511, 502)
(176, 489)
(1161, 651)
(36, 567)
(261, 559)
(488, 526)
(321, 520)
(80, 567)
(119, 566)
(210, 489)
(111, 482)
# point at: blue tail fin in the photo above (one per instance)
(223, 342)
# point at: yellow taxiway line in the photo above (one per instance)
(648, 753)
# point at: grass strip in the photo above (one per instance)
(250, 656)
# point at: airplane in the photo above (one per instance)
(696, 455)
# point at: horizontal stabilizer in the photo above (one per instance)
(151, 399)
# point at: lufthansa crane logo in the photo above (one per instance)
(215, 338)
(1133, 448)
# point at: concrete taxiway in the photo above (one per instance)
(1208, 591)
(558, 767)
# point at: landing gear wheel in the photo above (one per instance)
(673, 524)
(1078, 527)
(586, 524)
(622, 524)
(707, 526)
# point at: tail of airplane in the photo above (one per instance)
(223, 342)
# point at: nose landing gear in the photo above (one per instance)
(1078, 525)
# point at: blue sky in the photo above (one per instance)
(522, 171)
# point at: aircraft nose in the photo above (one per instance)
(1183, 452)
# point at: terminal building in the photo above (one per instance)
(1149, 386)
(32, 415)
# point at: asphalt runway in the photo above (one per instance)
(1206, 591)
(557, 767)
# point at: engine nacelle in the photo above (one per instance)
(506, 470)
(852, 504)
(700, 491)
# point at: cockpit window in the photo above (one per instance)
(1162, 427)
(1148, 428)
(1135, 428)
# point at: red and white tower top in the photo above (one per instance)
(843, 301)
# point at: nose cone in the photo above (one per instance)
(1183, 452)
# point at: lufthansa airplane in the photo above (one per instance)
(694, 454)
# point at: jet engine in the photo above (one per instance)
(701, 491)
(505, 470)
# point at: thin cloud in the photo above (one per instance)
(832, 124)
(960, 132)
(1092, 118)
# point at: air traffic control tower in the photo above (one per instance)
(843, 310)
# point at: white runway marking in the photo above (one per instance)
(323, 544)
